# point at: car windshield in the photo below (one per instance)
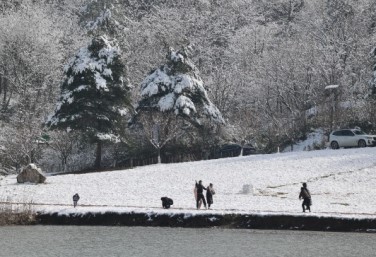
(359, 132)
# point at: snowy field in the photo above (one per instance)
(342, 183)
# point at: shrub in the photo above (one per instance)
(16, 214)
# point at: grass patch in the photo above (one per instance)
(16, 214)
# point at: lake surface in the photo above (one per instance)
(85, 241)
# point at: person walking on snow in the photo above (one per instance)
(76, 197)
(209, 194)
(200, 195)
(306, 195)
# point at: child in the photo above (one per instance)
(76, 197)
(209, 194)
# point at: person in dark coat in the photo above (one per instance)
(209, 194)
(166, 202)
(76, 197)
(200, 194)
(306, 195)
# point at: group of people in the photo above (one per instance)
(199, 194)
(200, 198)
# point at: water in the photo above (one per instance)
(83, 241)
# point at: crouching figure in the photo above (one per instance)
(167, 202)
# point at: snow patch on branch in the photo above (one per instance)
(103, 17)
(155, 83)
(123, 111)
(183, 82)
(107, 72)
(100, 82)
(185, 105)
(167, 102)
(70, 80)
(86, 61)
(80, 88)
(108, 137)
(213, 112)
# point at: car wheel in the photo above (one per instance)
(362, 143)
(334, 145)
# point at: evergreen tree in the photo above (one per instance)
(97, 17)
(176, 87)
(94, 93)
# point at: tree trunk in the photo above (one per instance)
(159, 156)
(98, 155)
(63, 163)
(242, 147)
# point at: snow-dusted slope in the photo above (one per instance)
(341, 181)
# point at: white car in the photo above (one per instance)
(350, 138)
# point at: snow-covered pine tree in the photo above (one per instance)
(94, 93)
(176, 87)
(103, 20)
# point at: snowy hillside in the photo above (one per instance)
(342, 182)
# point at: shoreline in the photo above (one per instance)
(209, 220)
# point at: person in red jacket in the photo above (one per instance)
(306, 195)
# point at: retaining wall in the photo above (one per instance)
(243, 221)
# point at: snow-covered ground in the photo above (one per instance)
(342, 183)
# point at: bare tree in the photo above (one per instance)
(63, 143)
(161, 128)
(21, 146)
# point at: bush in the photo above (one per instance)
(16, 214)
